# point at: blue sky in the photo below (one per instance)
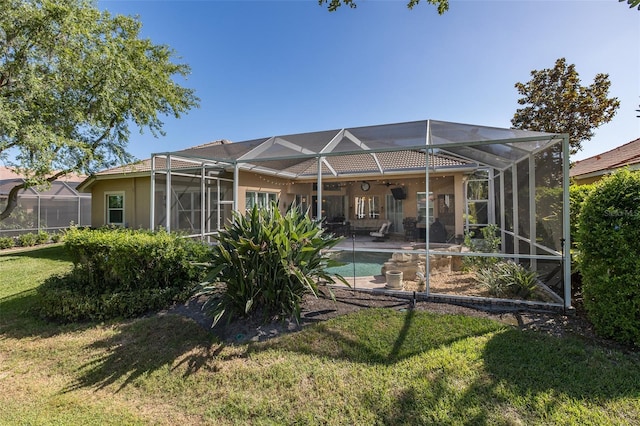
(264, 68)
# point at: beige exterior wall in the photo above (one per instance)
(261, 183)
(137, 199)
(587, 181)
(137, 195)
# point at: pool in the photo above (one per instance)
(366, 263)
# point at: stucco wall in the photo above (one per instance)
(137, 198)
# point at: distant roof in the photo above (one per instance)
(64, 185)
(8, 174)
(624, 155)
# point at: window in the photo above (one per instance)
(367, 207)
(115, 209)
(262, 199)
(423, 203)
(477, 198)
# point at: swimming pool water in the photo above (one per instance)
(366, 263)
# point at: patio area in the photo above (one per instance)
(415, 177)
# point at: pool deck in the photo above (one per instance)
(366, 242)
(377, 283)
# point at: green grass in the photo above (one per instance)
(372, 367)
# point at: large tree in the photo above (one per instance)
(333, 5)
(632, 3)
(74, 81)
(556, 102)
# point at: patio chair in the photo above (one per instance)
(381, 234)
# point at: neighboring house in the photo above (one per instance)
(594, 168)
(47, 208)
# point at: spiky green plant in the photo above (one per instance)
(266, 261)
(492, 280)
(522, 281)
(507, 279)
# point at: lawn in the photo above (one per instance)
(372, 367)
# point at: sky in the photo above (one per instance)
(267, 68)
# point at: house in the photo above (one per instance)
(411, 174)
(47, 208)
(365, 200)
(422, 170)
(594, 168)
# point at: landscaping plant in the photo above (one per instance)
(122, 273)
(42, 237)
(508, 279)
(27, 240)
(489, 243)
(7, 242)
(608, 235)
(266, 261)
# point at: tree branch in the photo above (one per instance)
(12, 201)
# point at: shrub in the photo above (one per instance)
(608, 235)
(577, 195)
(27, 240)
(489, 243)
(122, 273)
(57, 237)
(42, 237)
(7, 242)
(521, 281)
(266, 261)
(490, 279)
(508, 279)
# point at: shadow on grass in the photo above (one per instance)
(525, 378)
(380, 336)
(19, 318)
(145, 345)
(532, 363)
(49, 252)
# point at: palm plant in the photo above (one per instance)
(267, 261)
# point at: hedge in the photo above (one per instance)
(609, 236)
(122, 273)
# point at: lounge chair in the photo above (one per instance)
(381, 234)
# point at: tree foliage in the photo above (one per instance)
(333, 5)
(632, 3)
(555, 102)
(73, 80)
(608, 235)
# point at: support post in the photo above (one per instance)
(319, 191)
(532, 211)
(236, 190)
(503, 213)
(565, 221)
(152, 207)
(427, 260)
(202, 200)
(167, 219)
(516, 213)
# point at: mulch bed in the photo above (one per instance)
(319, 309)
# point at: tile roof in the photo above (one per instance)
(344, 164)
(624, 155)
(8, 174)
(9, 179)
(144, 166)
